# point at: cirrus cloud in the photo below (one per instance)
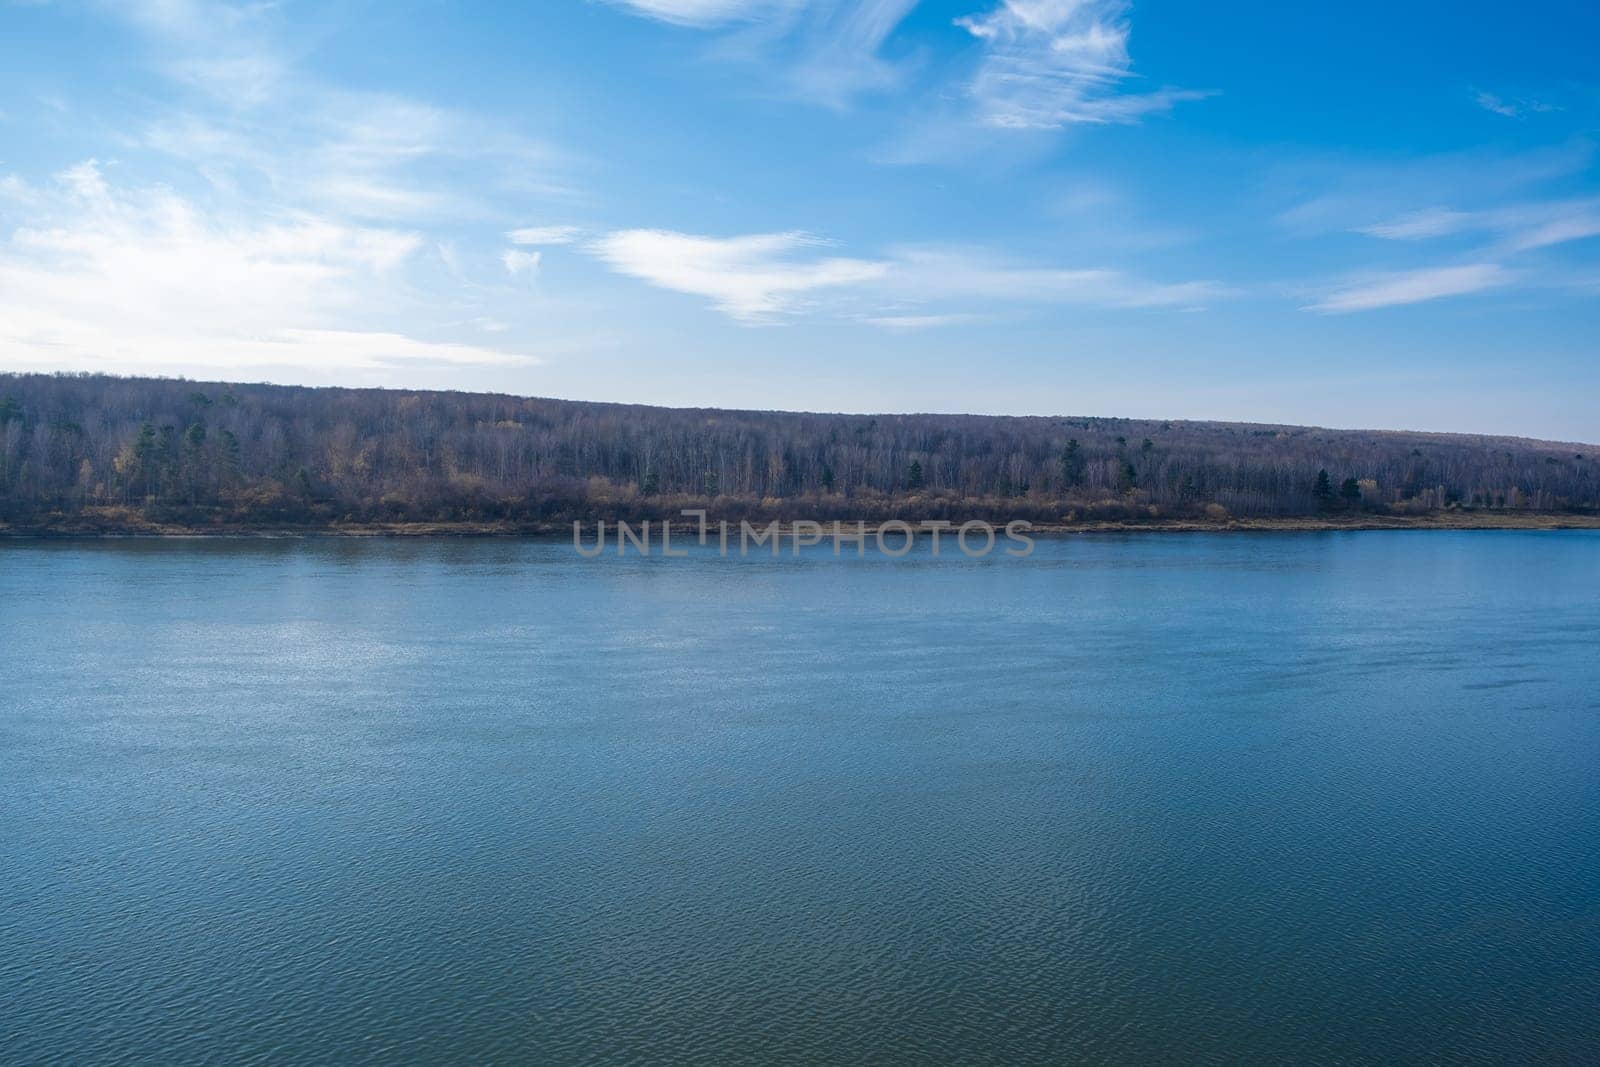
(702, 12)
(1053, 63)
(762, 278)
(752, 278)
(544, 235)
(1414, 287)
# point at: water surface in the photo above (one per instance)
(1329, 797)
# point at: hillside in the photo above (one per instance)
(96, 452)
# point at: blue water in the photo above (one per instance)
(1329, 798)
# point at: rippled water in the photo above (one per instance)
(1176, 798)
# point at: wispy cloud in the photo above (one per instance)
(1518, 227)
(752, 279)
(1491, 102)
(1339, 193)
(837, 50)
(1511, 109)
(218, 47)
(144, 279)
(824, 51)
(762, 278)
(544, 235)
(1041, 64)
(1571, 226)
(517, 261)
(1420, 225)
(1413, 287)
(1492, 241)
(903, 323)
(369, 155)
(1053, 63)
(703, 13)
(942, 274)
(257, 124)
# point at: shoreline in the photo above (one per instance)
(558, 531)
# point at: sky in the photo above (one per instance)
(1357, 215)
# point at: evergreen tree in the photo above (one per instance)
(914, 476)
(1350, 490)
(1071, 465)
(230, 454)
(1323, 489)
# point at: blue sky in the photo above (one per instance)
(1361, 215)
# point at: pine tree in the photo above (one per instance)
(914, 476)
(1071, 465)
(1323, 490)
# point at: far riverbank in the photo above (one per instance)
(1445, 520)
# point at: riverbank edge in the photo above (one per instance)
(546, 531)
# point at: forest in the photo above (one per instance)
(82, 451)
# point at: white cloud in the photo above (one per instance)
(1573, 227)
(1519, 227)
(544, 235)
(835, 55)
(1042, 64)
(762, 277)
(1512, 109)
(1491, 102)
(1414, 287)
(373, 349)
(1366, 196)
(139, 280)
(919, 322)
(519, 262)
(258, 125)
(702, 12)
(217, 47)
(1052, 63)
(1484, 203)
(366, 155)
(753, 278)
(923, 273)
(1420, 225)
(823, 51)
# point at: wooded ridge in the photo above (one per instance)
(101, 452)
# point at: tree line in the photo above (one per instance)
(103, 448)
